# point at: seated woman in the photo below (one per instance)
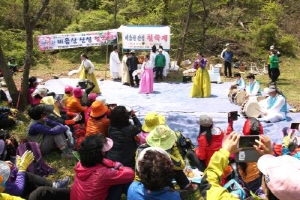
(152, 120)
(45, 132)
(163, 137)
(123, 133)
(209, 140)
(155, 169)
(38, 95)
(8, 117)
(280, 175)
(98, 122)
(249, 171)
(33, 83)
(55, 115)
(22, 183)
(95, 175)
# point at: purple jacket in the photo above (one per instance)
(48, 127)
(16, 183)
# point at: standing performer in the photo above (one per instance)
(87, 72)
(132, 63)
(227, 55)
(114, 63)
(167, 56)
(125, 72)
(201, 82)
(146, 83)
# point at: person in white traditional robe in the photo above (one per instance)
(167, 66)
(125, 72)
(114, 64)
(274, 108)
(253, 89)
(153, 54)
(239, 82)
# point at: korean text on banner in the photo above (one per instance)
(144, 37)
(75, 40)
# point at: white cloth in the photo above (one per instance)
(125, 73)
(114, 66)
(273, 113)
(147, 65)
(255, 90)
(243, 84)
(87, 64)
(152, 58)
(167, 66)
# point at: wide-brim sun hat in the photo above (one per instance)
(281, 175)
(108, 145)
(98, 109)
(151, 121)
(161, 136)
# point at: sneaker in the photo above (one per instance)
(62, 183)
(67, 154)
(191, 188)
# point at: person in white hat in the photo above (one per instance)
(270, 53)
(227, 55)
(274, 108)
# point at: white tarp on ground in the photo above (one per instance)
(144, 37)
(173, 101)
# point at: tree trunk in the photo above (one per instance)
(185, 34)
(166, 10)
(13, 91)
(204, 25)
(115, 12)
(29, 24)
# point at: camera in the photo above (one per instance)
(233, 116)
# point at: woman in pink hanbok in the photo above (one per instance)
(146, 83)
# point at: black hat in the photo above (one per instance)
(32, 79)
(237, 74)
(37, 111)
(250, 76)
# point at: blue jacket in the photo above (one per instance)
(137, 191)
(227, 55)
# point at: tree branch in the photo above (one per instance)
(39, 13)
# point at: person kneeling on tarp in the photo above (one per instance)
(274, 107)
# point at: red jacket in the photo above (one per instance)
(205, 151)
(94, 182)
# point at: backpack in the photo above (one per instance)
(183, 144)
(9, 151)
(38, 166)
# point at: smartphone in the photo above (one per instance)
(233, 115)
(295, 126)
(248, 141)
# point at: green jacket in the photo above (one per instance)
(160, 60)
(274, 60)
